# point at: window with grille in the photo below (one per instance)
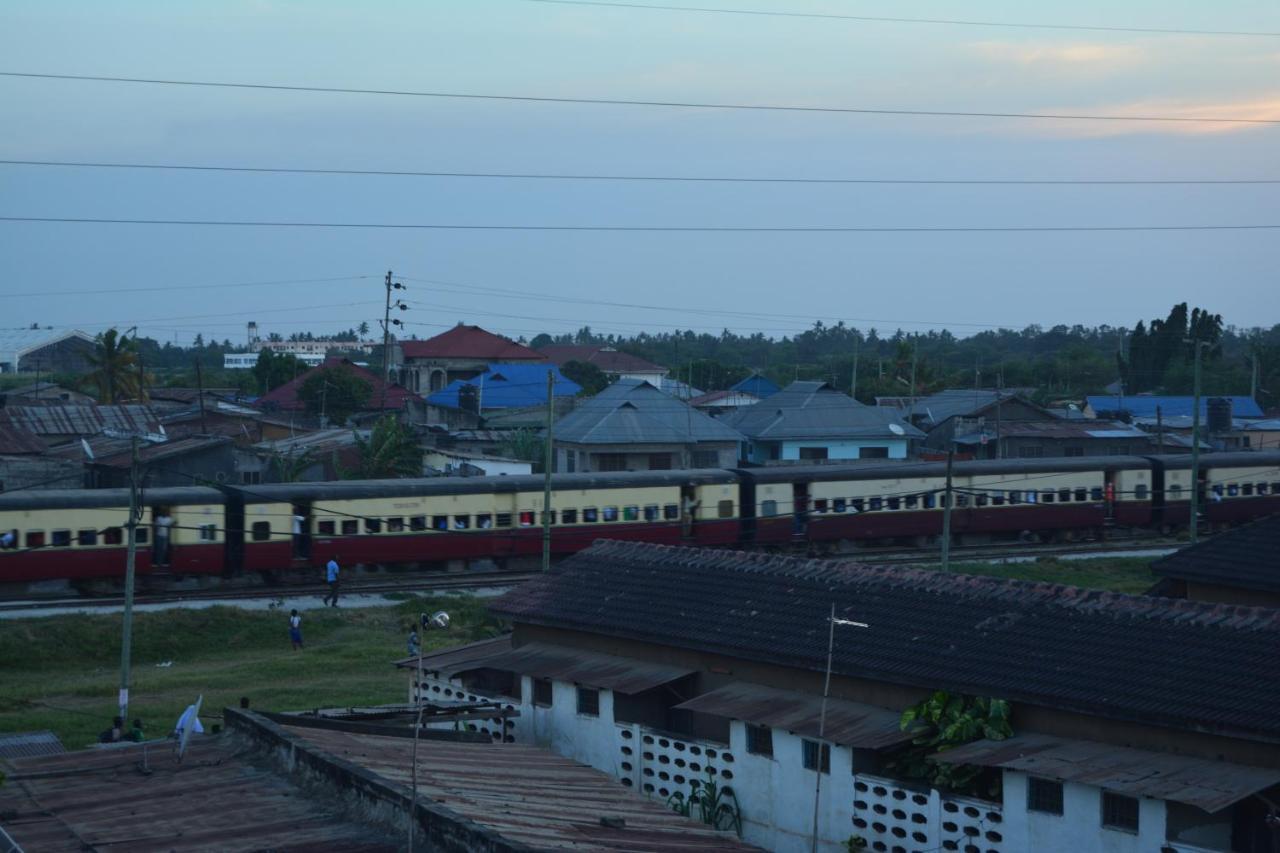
(1044, 795)
(1082, 494)
(87, 537)
(590, 515)
(768, 508)
(1119, 812)
(418, 523)
(661, 462)
(611, 513)
(208, 533)
(542, 692)
(569, 516)
(395, 525)
(651, 512)
(261, 531)
(631, 513)
(1073, 451)
(35, 538)
(759, 740)
(725, 509)
(61, 538)
(113, 535)
(611, 462)
(373, 525)
(705, 459)
(671, 511)
(1030, 452)
(140, 535)
(839, 505)
(873, 453)
(811, 756)
(589, 701)
(350, 527)
(326, 527)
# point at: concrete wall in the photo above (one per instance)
(1079, 828)
(32, 471)
(637, 455)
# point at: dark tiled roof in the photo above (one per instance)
(606, 358)
(1244, 558)
(631, 411)
(285, 397)
(469, 342)
(815, 410)
(1177, 663)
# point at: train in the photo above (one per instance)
(227, 531)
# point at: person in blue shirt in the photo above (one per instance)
(331, 572)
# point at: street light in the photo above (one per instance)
(832, 622)
(439, 620)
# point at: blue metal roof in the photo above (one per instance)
(758, 386)
(1145, 407)
(508, 386)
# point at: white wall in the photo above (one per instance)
(1079, 828)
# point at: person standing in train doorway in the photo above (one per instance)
(331, 573)
(163, 524)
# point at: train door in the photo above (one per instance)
(1157, 493)
(302, 523)
(1109, 496)
(747, 507)
(799, 508)
(161, 537)
(688, 510)
(233, 553)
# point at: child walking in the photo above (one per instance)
(295, 630)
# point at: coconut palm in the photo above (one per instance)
(115, 367)
(390, 451)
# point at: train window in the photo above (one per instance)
(461, 522)
(350, 527)
(1175, 493)
(1246, 489)
(261, 531)
(395, 525)
(87, 537)
(61, 539)
(1082, 494)
(484, 521)
(373, 525)
(1233, 491)
(1217, 489)
(611, 513)
(876, 504)
(417, 523)
(1095, 494)
(1064, 495)
(1047, 497)
(651, 512)
(1275, 488)
(962, 499)
(526, 518)
(858, 504)
(839, 505)
(930, 500)
(113, 536)
(820, 505)
(1031, 497)
(1015, 497)
(895, 503)
(631, 513)
(768, 508)
(590, 515)
(1140, 491)
(325, 528)
(913, 501)
(140, 535)
(980, 499)
(725, 509)
(502, 519)
(997, 499)
(671, 511)
(35, 538)
(208, 533)
(542, 517)
(1262, 488)
(569, 516)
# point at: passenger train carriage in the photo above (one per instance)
(80, 534)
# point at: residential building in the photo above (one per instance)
(248, 360)
(505, 386)
(956, 412)
(1235, 567)
(107, 460)
(382, 398)
(26, 463)
(309, 457)
(1145, 405)
(45, 351)
(613, 363)
(813, 422)
(1036, 439)
(455, 463)
(632, 426)
(463, 352)
(716, 403)
(1138, 723)
(44, 392)
(757, 385)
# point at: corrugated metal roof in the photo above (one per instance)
(815, 410)
(525, 794)
(848, 723)
(18, 441)
(70, 421)
(14, 343)
(28, 744)
(758, 386)
(543, 660)
(632, 411)
(1145, 406)
(1210, 785)
(506, 386)
(461, 658)
(607, 359)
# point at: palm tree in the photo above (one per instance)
(115, 367)
(391, 450)
(292, 464)
(364, 330)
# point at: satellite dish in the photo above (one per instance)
(439, 619)
(189, 722)
(897, 429)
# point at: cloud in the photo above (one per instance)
(1266, 107)
(1074, 57)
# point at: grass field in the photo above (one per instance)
(1118, 574)
(63, 672)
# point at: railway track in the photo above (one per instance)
(988, 553)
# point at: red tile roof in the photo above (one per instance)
(607, 359)
(470, 342)
(285, 398)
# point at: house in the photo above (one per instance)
(45, 351)
(757, 386)
(455, 463)
(383, 397)
(632, 426)
(1145, 405)
(463, 352)
(1137, 723)
(717, 403)
(61, 424)
(26, 463)
(107, 460)
(309, 457)
(613, 363)
(1037, 439)
(505, 386)
(45, 392)
(948, 415)
(812, 421)
(1235, 567)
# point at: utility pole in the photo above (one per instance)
(1195, 445)
(200, 391)
(999, 407)
(822, 716)
(853, 383)
(547, 460)
(126, 641)
(1253, 376)
(387, 322)
(1159, 430)
(947, 501)
(914, 345)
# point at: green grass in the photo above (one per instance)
(1117, 574)
(63, 672)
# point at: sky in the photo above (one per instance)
(173, 281)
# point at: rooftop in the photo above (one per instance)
(63, 423)
(816, 410)
(1143, 405)
(506, 386)
(758, 386)
(1084, 429)
(632, 411)
(1244, 558)
(962, 402)
(607, 359)
(1180, 664)
(469, 342)
(15, 343)
(285, 397)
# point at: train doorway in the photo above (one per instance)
(799, 508)
(302, 530)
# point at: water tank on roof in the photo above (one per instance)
(1219, 414)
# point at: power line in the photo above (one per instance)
(624, 102)
(756, 229)
(167, 288)
(828, 16)
(557, 176)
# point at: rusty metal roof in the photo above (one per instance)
(625, 675)
(70, 421)
(848, 723)
(461, 658)
(215, 800)
(27, 744)
(1210, 785)
(16, 441)
(525, 794)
